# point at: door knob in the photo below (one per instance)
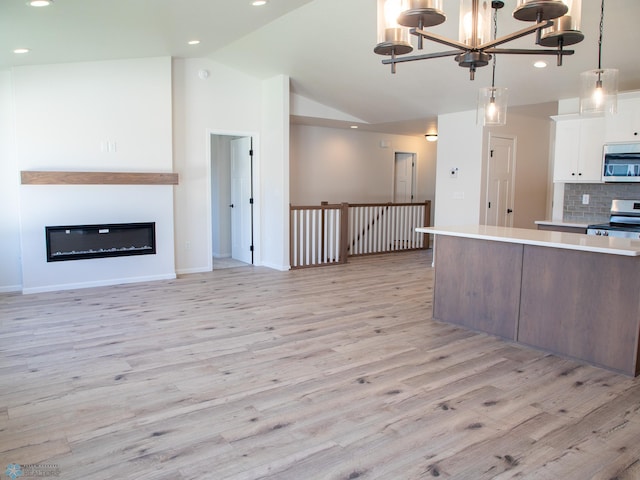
(509, 210)
(231, 205)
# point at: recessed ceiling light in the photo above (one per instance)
(540, 64)
(193, 42)
(354, 126)
(21, 50)
(258, 3)
(40, 3)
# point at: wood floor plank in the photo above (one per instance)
(331, 373)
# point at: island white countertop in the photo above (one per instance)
(542, 238)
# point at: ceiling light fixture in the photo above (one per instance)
(259, 3)
(431, 137)
(540, 64)
(40, 3)
(21, 50)
(397, 19)
(354, 126)
(193, 42)
(599, 87)
(492, 101)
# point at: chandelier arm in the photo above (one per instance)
(424, 56)
(440, 39)
(514, 35)
(519, 51)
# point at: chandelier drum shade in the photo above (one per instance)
(566, 29)
(474, 47)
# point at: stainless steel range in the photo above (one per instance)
(624, 221)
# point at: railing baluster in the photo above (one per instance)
(329, 233)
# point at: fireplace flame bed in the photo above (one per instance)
(77, 242)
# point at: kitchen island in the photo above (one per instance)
(566, 293)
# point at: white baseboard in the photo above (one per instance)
(282, 268)
(101, 283)
(187, 271)
(10, 288)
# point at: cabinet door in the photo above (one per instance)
(591, 144)
(625, 125)
(578, 150)
(567, 151)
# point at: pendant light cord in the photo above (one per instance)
(495, 35)
(600, 39)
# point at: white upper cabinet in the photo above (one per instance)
(578, 149)
(625, 125)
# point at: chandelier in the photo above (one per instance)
(556, 24)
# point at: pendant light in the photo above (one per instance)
(492, 101)
(599, 87)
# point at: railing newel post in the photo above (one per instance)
(344, 231)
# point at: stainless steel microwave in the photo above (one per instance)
(621, 162)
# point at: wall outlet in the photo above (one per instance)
(453, 172)
(585, 199)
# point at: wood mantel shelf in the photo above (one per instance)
(32, 177)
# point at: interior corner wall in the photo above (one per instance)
(273, 171)
(10, 266)
(66, 115)
(344, 165)
(459, 151)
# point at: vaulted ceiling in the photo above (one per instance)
(325, 46)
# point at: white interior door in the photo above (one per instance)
(404, 177)
(500, 180)
(241, 201)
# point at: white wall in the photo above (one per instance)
(228, 102)
(345, 165)
(532, 153)
(65, 116)
(221, 195)
(10, 262)
(459, 147)
(273, 170)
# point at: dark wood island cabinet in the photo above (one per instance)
(565, 293)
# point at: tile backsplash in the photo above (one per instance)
(600, 196)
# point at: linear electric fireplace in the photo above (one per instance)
(78, 242)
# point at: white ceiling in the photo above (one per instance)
(325, 46)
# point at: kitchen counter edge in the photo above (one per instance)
(542, 238)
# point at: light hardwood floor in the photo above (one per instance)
(330, 373)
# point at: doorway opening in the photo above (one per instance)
(404, 177)
(232, 206)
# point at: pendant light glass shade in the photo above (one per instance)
(492, 106)
(599, 87)
(599, 91)
(483, 23)
(423, 13)
(393, 38)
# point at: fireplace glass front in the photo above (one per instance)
(78, 242)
